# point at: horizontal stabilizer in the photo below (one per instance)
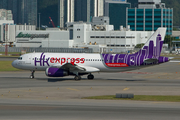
(174, 61)
(152, 60)
(170, 58)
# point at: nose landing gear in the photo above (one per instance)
(32, 74)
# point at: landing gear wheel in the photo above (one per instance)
(32, 74)
(77, 78)
(90, 77)
(32, 77)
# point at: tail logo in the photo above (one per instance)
(154, 48)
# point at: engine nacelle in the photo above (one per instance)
(56, 72)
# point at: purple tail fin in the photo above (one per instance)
(154, 45)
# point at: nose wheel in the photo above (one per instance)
(90, 77)
(32, 74)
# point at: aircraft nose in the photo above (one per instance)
(14, 63)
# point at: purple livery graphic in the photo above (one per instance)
(149, 52)
(137, 59)
(42, 60)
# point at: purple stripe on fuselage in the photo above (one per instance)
(116, 58)
(111, 58)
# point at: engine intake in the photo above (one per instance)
(56, 72)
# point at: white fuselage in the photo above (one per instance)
(39, 62)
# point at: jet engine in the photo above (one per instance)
(56, 72)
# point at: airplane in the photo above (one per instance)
(79, 64)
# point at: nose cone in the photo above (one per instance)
(14, 63)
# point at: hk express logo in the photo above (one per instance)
(43, 60)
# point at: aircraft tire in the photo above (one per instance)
(90, 77)
(77, 78)
(32, 77)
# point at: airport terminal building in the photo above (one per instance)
(99, 36)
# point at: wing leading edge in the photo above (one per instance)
(77, 68)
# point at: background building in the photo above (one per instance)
(62, 13)
(98, 36)
(82, 10)
(70, 10)
(8, 31)
(79, 10)
(24, 11)
(116, 11)
(150, 15)
(134, 3)
(65, 12)
(27, 12)
(3, 4)
(6, 14)
(98, 8)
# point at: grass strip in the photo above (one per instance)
(14, 56)
(139, 98)
(6, 66)
(11, 52)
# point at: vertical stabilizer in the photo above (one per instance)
(154, 44)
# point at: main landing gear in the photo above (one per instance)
(32, 74)
(90, 77)
(77, 78)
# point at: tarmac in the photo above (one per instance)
(45, 98)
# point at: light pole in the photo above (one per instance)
(39, 20)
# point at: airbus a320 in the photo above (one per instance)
(78, 64)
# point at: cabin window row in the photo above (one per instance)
(83, 60)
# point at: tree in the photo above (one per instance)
(139, 45)
(168, 40)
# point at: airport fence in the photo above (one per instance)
(55, 50)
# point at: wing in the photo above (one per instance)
(152, 60)
(77, 68)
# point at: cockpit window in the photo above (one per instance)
(20, 58)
